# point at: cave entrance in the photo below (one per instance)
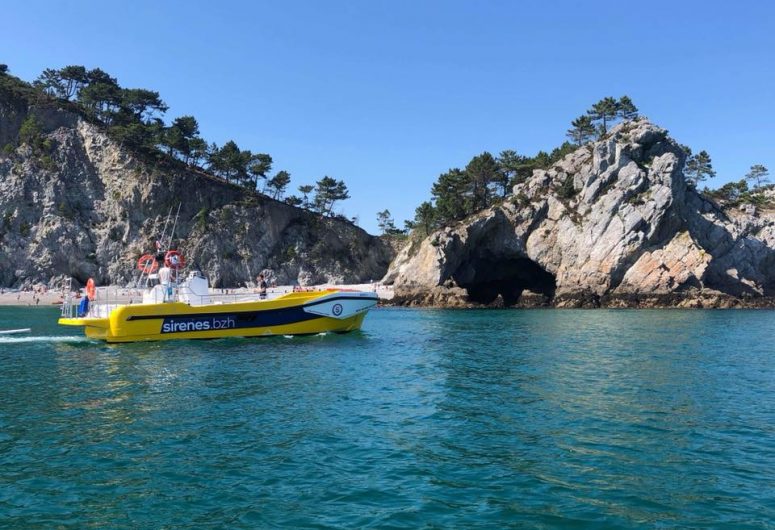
(486, 278)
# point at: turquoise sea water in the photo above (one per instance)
(438, 419)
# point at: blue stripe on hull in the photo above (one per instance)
(221, 321)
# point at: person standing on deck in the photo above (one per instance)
(261, 286)
(165, 278)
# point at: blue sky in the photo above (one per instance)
(387, 95)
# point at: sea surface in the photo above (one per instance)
(424, 419)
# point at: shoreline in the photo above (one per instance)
(387, 298)
(43, 298)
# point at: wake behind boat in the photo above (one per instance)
(14, 331)
(173, 309)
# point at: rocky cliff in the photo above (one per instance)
(612, 224)
(80, 205)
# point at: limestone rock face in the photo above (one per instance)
(613, 223)
(86, 207)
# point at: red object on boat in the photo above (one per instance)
(91, 289)
(174, 260)
(147, 263)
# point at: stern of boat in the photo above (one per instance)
(94, 328)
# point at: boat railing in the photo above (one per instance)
(68, 309)
(106, 299)
(184, 294)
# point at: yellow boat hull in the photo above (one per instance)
(292, 314)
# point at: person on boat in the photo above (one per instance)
(261, 286)
(165, 279)
(83, 307)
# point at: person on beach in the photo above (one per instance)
(261, 286)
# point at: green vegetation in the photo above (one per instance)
(134, 117)
(305, 190)
(740, 192)
(566, 189)
(238, 166)
(582, 130)
(758, 175)
(609, 109)
(485, 181)
(387, 224)
(327, 192)
(603, 111)
(698, 167)
(748, 190)
(278, 183)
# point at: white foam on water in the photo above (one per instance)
(45, 338)
(288, 336)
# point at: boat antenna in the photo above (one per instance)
(174, 225)
(164, 230)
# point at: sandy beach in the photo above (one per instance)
(43, 297)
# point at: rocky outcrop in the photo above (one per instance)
(612, 224)
(83, 206)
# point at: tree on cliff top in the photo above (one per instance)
(278, 183)
(178, 137)
(387, 224)
(425, 218)
(626, 109)
(451, 195)
(698, 168)
(482, 173)
(609, 109)
(582, 130)
(238, 166)
(141, 105)
(328, 191)
(305, 190)
(604, 110)
(758, 175)
(65, 83)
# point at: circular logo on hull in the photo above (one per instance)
(337, 309)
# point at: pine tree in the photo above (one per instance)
(511, 167)
(327, 192)
(278, 183)
(604, 110)
(386, 223)
(257, 166)
(482, 172)
(305, 190)
(757, 175)
(452, 195)
(582, 131)
(626, 109)
(698, 168)
(425, 217)
(293, 200)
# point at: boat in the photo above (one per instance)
(200, 316)
(187, 309)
